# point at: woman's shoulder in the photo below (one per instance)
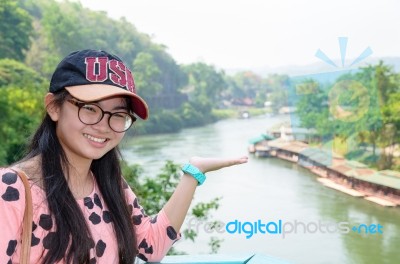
(12, 187)
(12, 190)
(31, 168)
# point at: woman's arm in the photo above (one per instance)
(178, 205)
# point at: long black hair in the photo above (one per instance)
(72, 238)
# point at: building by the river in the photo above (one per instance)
(351, 177)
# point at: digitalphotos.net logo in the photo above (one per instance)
(281, 228)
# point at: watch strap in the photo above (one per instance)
(195, 172)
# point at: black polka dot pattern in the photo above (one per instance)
(35, 241)
(9, 178)
(137, 219)
(135, 203)
(95, 218)
(11, 194)
(100, 248)
(143, 244)
(171, 233)
(130, 209)
(149, 250)
(34, 226)
(45, 222)
(142, 257)
(47, 240)
(97, 201)
(87, 201)
(95, 211)
(154, 220)
(11, 247)
(106, 217)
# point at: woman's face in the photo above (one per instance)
(81, 141)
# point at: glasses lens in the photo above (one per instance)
(121, 121)
(90, 114)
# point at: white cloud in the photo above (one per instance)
(254, 33)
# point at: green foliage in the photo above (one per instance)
(364, 104)
(201, 210)
(15, 30)
(197, 113)
(189, 92)
(207, 82)
(146, 73)
(277, 86)
(18, 74)
(215, 244)
(311, 106)
(224, 113)
(248, 85)
(163, 121)
(391, 114)
(21, 95)
(154, 192)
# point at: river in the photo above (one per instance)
(272, 191)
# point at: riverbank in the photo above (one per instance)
(270, 190)
(336, 172)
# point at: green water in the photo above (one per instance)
(271, 190)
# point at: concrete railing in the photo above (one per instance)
(222, 258)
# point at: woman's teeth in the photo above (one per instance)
(99, 140)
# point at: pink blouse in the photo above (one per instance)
(155, 235)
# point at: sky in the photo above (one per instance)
(262, 33)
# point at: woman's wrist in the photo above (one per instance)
(194, 172)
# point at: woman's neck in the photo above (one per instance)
(79, 178)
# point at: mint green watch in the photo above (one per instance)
(195, 172)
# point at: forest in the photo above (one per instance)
(37, 34)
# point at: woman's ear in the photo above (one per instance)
(51, 108)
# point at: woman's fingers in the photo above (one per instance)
(212, 164)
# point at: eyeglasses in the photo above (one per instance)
(91, 114)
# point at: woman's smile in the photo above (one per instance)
(95, 139)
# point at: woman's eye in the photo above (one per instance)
(120, 115)
(90, 108)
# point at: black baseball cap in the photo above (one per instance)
(111, 76)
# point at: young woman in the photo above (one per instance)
(83, 210)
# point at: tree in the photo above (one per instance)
(278, 86)
(146, 73)
(21, 94)
(154, 192)
(207, 82)
(15, 30)
(391, 115)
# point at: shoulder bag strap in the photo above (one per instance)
(27, 221)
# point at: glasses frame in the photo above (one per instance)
(80, 104)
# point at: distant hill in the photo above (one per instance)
(318, 67)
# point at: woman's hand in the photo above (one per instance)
(178, 205)
(212, 164)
